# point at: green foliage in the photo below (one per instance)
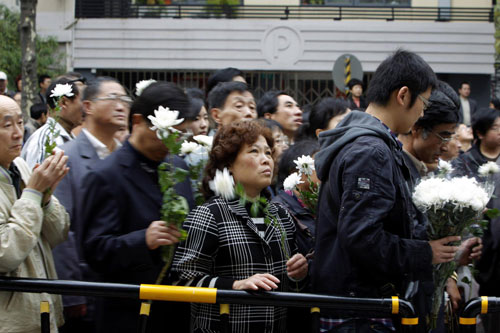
(48, 56)
(228, 8)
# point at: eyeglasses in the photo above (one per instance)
(443, 140)
(426, 102)
(116, 98)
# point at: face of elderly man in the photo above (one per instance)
(11, 131)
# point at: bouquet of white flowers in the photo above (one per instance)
(305, 168)
(452, 205)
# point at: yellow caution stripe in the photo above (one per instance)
(224, 309)
(177, 293)
(395, 305)
(315, 309)
(484, 304)
(44, 307)
(145, 308)
(409, 321)
(467, 321)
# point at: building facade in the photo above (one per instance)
(290, 45)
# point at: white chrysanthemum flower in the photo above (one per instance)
(488, 168)
(223, 184)
(188, 147)
(292, 181)
(426, 193)
(445, 167)
(62, 90)
(305, 164)
(204, 140)
(141, 85)
(466, 192)
(163, 121)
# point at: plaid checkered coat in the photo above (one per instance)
(224, 246)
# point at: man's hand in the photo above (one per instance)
(296, 267)
(47, 175)
(441, 252)
(469, 250)
(256, 282)
(452, 290)
(158, 234)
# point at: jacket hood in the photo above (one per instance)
(354, 125)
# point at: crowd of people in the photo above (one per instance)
(90, 209)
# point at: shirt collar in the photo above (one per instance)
(100, 148)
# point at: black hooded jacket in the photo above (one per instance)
(364, 245)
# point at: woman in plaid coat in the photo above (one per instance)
(235, 240)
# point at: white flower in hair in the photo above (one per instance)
(141, 85)
(223, 184)
(163, 121)
(188, 147)
(62, 90)
(305, 164)
(204, 140)
(292, 181)
(488, 168)
(445, 167)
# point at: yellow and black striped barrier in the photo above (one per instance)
(383, 306)
(476, 306)
(45, 316)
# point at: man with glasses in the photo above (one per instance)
(106, 107)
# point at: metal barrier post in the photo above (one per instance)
(315, 314)
(143, 316)
(475, 307)
(224, 319)
(45, 317)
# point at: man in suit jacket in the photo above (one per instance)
(468, 106)
(120, 209)
(106, 107)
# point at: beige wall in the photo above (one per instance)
(471, 3)
(274, 2)
(424, 3)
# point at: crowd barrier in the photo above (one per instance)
(476, 306)
(384, 306)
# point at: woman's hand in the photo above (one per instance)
(296, 267)
(256, 282)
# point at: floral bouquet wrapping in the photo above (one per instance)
(452, 205)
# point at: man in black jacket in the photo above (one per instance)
(364, 236)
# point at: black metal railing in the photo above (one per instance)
(385, 306)
(124, 9)
(476, 306)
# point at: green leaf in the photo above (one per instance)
(255, 209)
(492, 213)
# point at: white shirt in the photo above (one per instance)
(466, 110)
(34, 149)
(100, 148)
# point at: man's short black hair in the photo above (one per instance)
(403, 68)
(462, 84)
(36, 110)
(482, 121)
(496, 103)
(354, 82)
(444, 108)
(269, 102)
(158, 94)
(51, 101)
(94, 87)
(217, 97)
(222, 75)
(42, 78)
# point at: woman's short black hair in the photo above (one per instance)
(320, 115)
(482, 122)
